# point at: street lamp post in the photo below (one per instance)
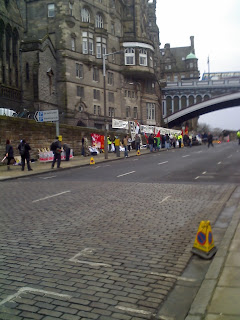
(104, 100)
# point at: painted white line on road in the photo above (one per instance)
(86, 252)
(163, 162)
(133, 310)
(135, 159)
(97, 167)
(187, 155)
(54, 195)
(204, 172)
(196, 177)
(219, 162)
(32, 290)
(107, 165)
(47, 177)
(165, 318)
(198, 151)
(229, 156)
(167, 275)
(164, 199)
(124, 174)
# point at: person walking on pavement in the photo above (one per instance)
(150, 142)
(125, 144)
(24, 149)
(109, 142)
(83, 151)
(238, 136)
(9, 153)
(210, 139)
(56, 148)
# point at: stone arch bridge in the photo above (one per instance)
(184, 100)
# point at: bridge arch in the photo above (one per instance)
(206, 106)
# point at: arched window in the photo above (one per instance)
(85, 15)
(99, 21)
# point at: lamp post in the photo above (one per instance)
(104, 100)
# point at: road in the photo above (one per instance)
(108, 241)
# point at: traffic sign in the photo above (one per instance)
(45, 116)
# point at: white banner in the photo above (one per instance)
(120, 124)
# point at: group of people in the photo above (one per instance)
(24, 151)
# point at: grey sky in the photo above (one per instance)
(215, 25)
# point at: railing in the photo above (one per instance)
(13, 94)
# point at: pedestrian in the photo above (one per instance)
(24, 149)
(174, 141)
(125, 145)
(56, 148)
(167, 143)
(129, 144)
(109, 142)
(179, 140)
(150, 142)
(83, 151)
(137, 142)
(66, 148)
(117, 146)
(9, 153)
(210, 139)
(238, 136)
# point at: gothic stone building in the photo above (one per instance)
(179, 63)
(62, 47)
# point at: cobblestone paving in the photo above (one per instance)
(102, 251)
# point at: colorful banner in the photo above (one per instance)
(97, 140)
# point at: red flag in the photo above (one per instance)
(158, 134)
(146, 136)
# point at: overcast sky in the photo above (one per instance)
(215, 25)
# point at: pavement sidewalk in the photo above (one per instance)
(219, 295)
(77, 161)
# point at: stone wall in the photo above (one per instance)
(40, 135)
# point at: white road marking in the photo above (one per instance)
(163, 162)
(84, 253)
(198, 151)
(173, 276)
(107, 165)
(164, 199)
(124, 174)
(47, 177)
(32, 290)
(133, 310)
(97, 167)
(229, 156)
(135, 159)
(187, 155)
(219, 162)
(54, 195)
(196, 177)
(204, 172)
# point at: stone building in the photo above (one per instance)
(11, 31)
(62, 47)
(179, 63)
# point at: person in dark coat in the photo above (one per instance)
(24, 149)
(9, 153)
(56, 148)
(66, 148)
(150, 142)
(210, 139)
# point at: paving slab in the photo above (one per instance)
(226, 301)
(230, 277)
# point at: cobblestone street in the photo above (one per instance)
(101, 251)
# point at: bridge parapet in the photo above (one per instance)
(204, 83)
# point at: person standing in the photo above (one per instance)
(167, 143)
(9, 153)
(24, 149)
(137, 142)
(66, 148)
(56, 148)
(238, 136)
(117, 146)
(125, 144)
(83, 151)
(109, 142)
(150, 142)
(179, 140)
(210, 139)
